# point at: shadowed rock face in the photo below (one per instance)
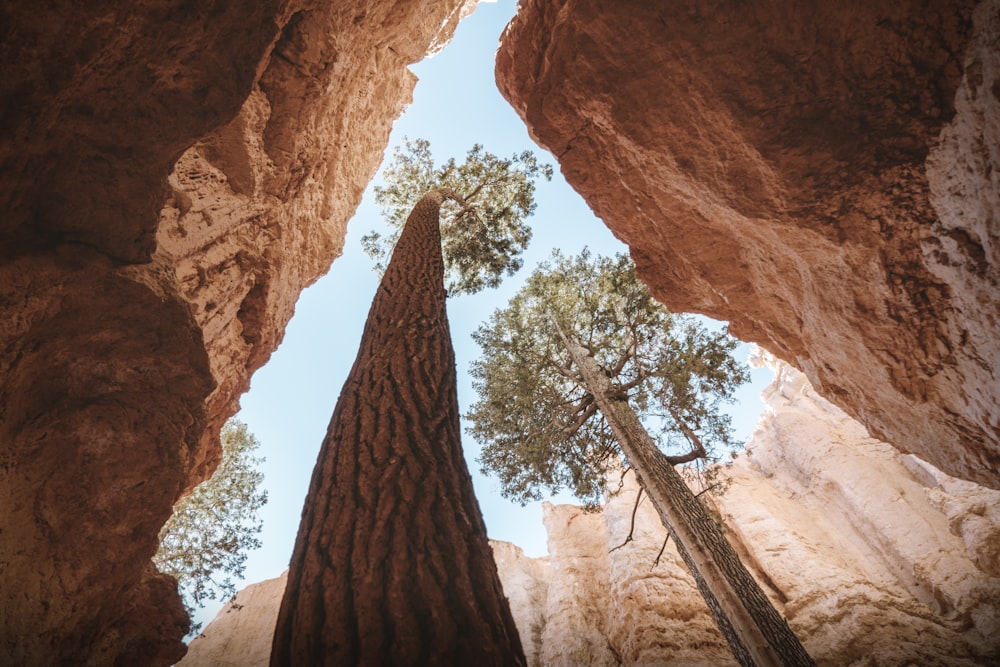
(823, 177)
(172, 175)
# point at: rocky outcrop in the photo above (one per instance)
(526, 584)
(173, 175)
(873, 556)
(824, 177)
(850, 536)
(240, 634)
(861, 547)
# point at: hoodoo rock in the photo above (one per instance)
(172, 175)
(824, 177)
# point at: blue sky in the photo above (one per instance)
(456, 104)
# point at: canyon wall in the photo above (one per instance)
(824, 176)
(873, 556)
(172, 174)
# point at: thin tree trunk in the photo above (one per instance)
(756, 632)
(391, 565)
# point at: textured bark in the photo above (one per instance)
(391, 565)
(756, 632)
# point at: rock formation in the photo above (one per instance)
(824, 177)
(173, 175)
(874, 557)
(240, 634)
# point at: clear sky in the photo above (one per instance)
(456, 104)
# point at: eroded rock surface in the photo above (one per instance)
(240, 634)
(822, 177)
(526, 584)
(873, 556)
(173, 175)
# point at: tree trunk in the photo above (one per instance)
(391, 565)
(756, 632)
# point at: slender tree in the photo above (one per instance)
(207, 539)
(574, 372)
(392, 565)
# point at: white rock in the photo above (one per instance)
(241, 633)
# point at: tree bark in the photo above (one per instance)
(391, 564)
(756, 632)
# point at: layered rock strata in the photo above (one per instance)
(823, 177)
(873, 556)
(173, 175)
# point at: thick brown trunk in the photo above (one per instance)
(756, 632)
(391, 565)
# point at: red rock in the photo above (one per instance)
(768, 164)
(172, 175)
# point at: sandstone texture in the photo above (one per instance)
(823, 176)
(853, 539)
(240, 635)
(172, 174)
(526, 584)
(873, 556)
(860, 547)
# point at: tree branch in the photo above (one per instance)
(631, 529)
(697, 448)
(620, 364)
(587, 413)
(662, 549)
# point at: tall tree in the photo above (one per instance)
(576, 368)
(206, 541)
(392, 565)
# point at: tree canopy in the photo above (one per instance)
(539, 423)
(483, 232)
(206, 541)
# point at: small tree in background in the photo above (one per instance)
(575, 372)
(205, 542)
(483, 232)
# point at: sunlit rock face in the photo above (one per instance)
(240, 634)
(861, 547)
(525, 582)
(172, 175)
(824, 177)
(874, 557)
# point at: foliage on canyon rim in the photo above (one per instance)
(207, 539)
(539, 422)
(482, 236)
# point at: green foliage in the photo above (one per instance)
(538, 422)
(207, 539)
(484, 235)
